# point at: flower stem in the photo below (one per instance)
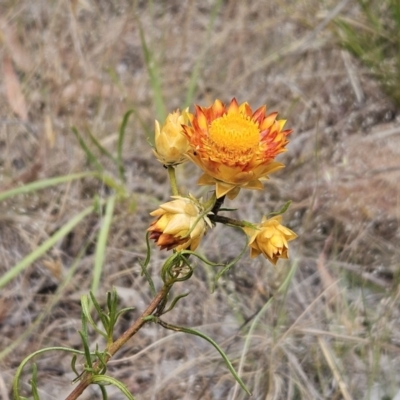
(86, 379)
(172, 180)
(227, 221)
(218, 205)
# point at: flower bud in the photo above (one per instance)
(179, 225)
(170, 142)
(270, 238)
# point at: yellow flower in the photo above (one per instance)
(179, 225)
(170, 142)
(270, 238)
(234, 146)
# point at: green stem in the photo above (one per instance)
(172, 180)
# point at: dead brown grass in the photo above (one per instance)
(335, 333)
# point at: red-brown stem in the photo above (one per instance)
(115, 346)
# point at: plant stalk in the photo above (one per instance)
(86, 379)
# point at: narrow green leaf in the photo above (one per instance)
(19, 370)
(90, 156)
(100, 147)
(283, 288)
(73, 365)
(144, 265)
(46, 245)
(85, 341)
(282, 210)
(86, 310)
(121, 135)
(33, 382)
(213, 343)
(230, 265)
(109, 380)
(103, 392)
(101, 244)
(174, 301)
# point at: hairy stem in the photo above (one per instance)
(86, 379)
(227, 221)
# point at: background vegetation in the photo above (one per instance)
(334, 333)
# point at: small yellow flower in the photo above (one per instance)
(270, 238)
(234, 146)
(170, 142)
(179, 224)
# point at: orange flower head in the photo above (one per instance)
(234, 146)
(270, 238)
(179, 225)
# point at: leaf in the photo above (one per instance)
(42, 184)
(121, 136)
(13, 90)
(101, 245)
(90, 156)
(108, 380)
(282, 210)
(18, 373)
(213, 343)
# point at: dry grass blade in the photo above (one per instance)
(13, 89)
(333, 365)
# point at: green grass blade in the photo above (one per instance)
(100, 147)
(46, 245)
(42, 184)
(102, 243)
(49, 306)
(121, 136)
(194, 77)
(90, 156)
(155, 77)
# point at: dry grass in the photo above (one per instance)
(335, 332)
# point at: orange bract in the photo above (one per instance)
(234, 146)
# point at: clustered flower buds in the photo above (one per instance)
(180, 224)
(270, 238)
(235, 147)
(171, 144)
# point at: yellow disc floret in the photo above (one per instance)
(234, 132)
